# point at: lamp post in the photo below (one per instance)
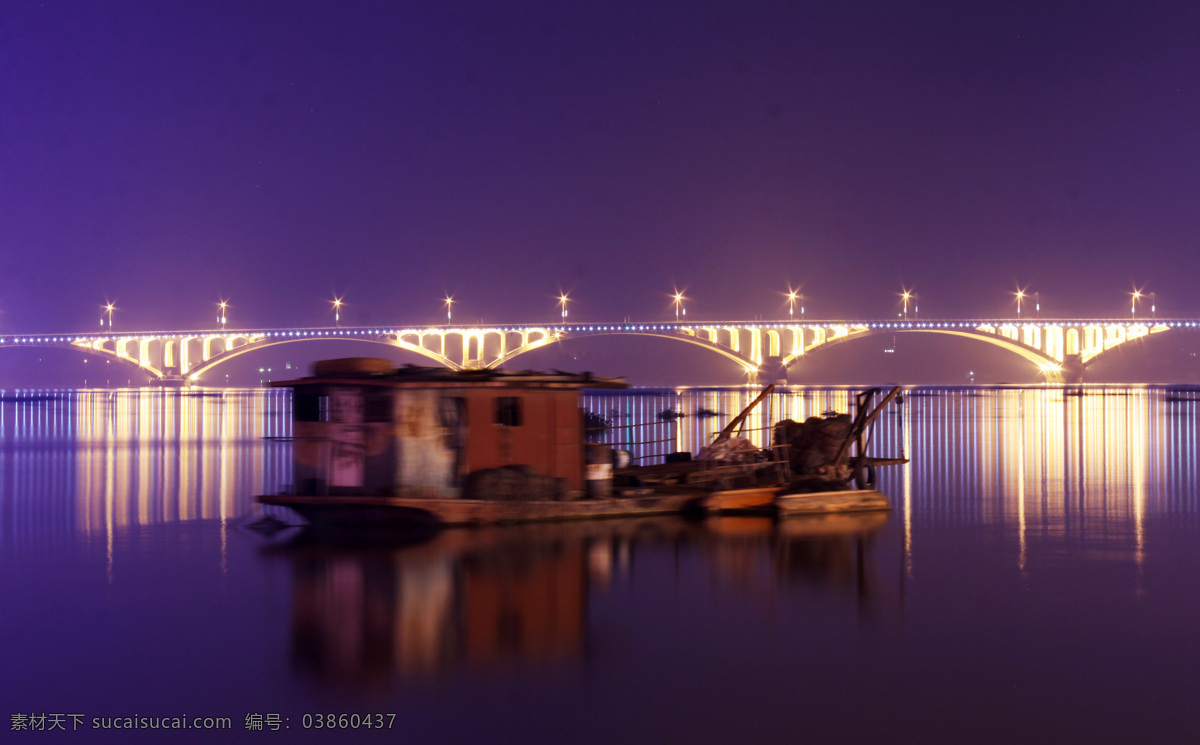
(449, 309)
(791, 304)
(337, 311)
(108, 310)
(1153, 306)
(679, 309)
(1037, 307)
(1020, 296)
(1134, 297)
(562, 300)
(221, 316)
(905, 296)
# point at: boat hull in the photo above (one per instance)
(822, 503)
(356, 512)
(380, 511)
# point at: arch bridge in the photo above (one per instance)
(1060, 349)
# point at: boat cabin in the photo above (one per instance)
(364, 427)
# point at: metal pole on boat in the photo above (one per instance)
(770, 433)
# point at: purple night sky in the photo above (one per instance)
(166, 155)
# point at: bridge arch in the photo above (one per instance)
(195, 372)
(1009, 340)
(1045, 364)
(475, 345)
(84, 348)
(742, 361)
(131, 350)
(822, 336)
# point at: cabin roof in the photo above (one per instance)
(416, 376)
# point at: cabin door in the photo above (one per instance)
(452, 413)
(347, 438)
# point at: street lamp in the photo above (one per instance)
(1153, 306)
(449, 309)
(221, 317)
(1020, 296)
(562, 300)
(337, 311)
(1134, 297)
(906, 295)
(791, 304)
(108, 309)
(1037, 308)
(679, 309)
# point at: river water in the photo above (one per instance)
(1035, 582)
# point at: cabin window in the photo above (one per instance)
(452, 412)
(379, 408)
(310, 407)
(508, 411)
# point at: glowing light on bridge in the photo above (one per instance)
(1135, 296)
(562, 300)
(678, 299)
(108, 309)
(449, 308)
(1020, 293)
(906, 295)
(337, 311)
(792, 296)
(221, 316)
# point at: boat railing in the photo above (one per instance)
(640, 441)
(643, 444)
(744, 465)
(751, 460)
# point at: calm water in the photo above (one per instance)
(1037, 581)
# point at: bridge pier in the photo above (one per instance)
(1072, 369)
(774, 370)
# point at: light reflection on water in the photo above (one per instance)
(94, 461)
(1041, 549)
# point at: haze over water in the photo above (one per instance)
(1033, 583)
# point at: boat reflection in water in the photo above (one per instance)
(504, 595)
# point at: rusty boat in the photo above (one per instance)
(376, 446)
